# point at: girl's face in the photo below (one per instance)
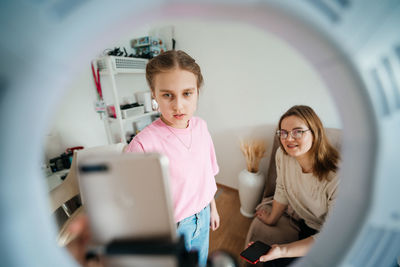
(176, 94)
(296, 147)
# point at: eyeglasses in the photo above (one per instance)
(296, 133)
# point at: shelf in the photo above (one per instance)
(106, 72)
(111, 66)
(54, 179)
(137, 117)
(122, 65)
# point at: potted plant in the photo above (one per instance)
(251, 180)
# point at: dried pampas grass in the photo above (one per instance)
(253, 151)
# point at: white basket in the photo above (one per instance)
(123, 64)
(132, 112)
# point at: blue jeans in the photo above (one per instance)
(196, 230)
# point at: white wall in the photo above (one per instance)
(75, 121)
(251, 78)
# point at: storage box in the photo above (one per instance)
(144, 98)
(148, 46)
(131, 112)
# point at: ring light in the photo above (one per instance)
(354, 45)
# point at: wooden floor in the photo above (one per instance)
(231, 235)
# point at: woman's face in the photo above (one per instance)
(296, 147)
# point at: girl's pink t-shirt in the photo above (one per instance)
(192, 162)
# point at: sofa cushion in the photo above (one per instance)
(285, 231)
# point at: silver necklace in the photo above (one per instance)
(180, 140)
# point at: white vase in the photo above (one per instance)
(251, 187)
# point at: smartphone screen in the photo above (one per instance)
(255, 251)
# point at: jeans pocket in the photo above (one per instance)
(187, 220)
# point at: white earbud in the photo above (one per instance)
(154, 104)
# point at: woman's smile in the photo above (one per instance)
(291, 146)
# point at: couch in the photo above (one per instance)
(283, 232)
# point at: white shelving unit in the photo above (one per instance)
(113, 66)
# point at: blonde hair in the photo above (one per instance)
(170, 60)
(325, 157)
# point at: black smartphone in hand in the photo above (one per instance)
(253, 253)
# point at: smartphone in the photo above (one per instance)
(127, 197)
(253, 253)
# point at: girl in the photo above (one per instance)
(175, 79)
(306, 165)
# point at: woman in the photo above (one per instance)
(306, 166)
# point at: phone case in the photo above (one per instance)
(253, 253)
(249, 260)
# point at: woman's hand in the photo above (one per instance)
(78, 246)
(79, 230)
(289, 250)
(214, 216)
(275, 252)
(276, 212)
(262, 215)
